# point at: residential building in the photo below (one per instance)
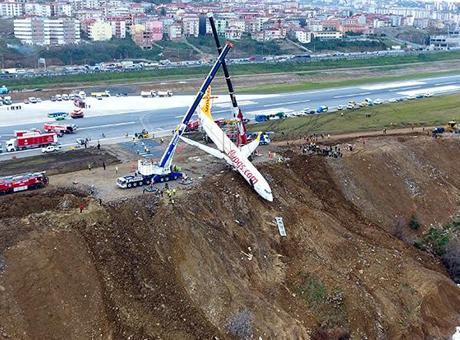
(327, 35)
(59, 9)
(11, 9)
(100, 31)
(233, 33)
(175, 31)
(191, 25)
(303, 36)
(47, 31)
(37, 9)
(118, 27)
(444, 42)
(145, 35)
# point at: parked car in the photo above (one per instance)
(51, 148)
(378, 101)
(309, 111)
(340, 107)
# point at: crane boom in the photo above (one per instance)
(166, 159)
(237, 113)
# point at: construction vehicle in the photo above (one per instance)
(149, 172)
(29, 141)
(60, 129)
(452, 127)
(143, 134)
(22, 182)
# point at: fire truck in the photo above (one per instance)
(60, 129)
(22, 182)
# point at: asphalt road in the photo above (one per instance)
(162, 120)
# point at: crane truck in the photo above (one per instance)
(148, 172)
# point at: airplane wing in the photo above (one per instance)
(248, 149)
(205, 148)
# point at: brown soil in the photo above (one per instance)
(214, 264)
(59, 162)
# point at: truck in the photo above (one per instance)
(146, 94)
(106, 93)
(58, 115)
(77, 113)
(4, 90)
(322, 109)
(22, 182)
(60, 129)
(163, 171)
(162, 93)
(29, 141)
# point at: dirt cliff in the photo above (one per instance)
(214, 265)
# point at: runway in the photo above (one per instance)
(117, 116)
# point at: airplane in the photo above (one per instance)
(228, 151)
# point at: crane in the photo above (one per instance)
(237, 113)
(148, 172)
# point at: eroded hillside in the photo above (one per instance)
(214, 264)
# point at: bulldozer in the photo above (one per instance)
(452, 126)
(141, 135)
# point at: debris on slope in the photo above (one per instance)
(214, 265)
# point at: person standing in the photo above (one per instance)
(103, 165)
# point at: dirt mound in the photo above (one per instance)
(214, 265)
(59, 162)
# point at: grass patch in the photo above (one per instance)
(308, 85)
(421, 112)
(328, 306)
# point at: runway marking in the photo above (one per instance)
(385, 86)
(433, 90)
(352, 95)
(106, 125)
(405, 88)
(287, 103)
(229, 104)
(449, 83)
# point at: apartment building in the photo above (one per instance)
(145, 35)
(303, 36)
(118, 27)
(47, 31)
(191, 25)
(11, 9)
(37, 9)
(100, 31)
(327, 35)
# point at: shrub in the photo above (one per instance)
(414, 224)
